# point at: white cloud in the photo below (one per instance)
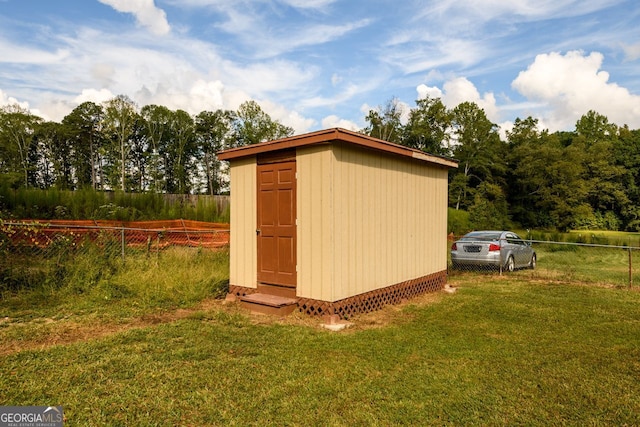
(422, 51)
(9, 100)
(266, 42)
(631, 51)
(93, 95)
(103, 73)
(207, 95)
(349, 90)
(474, 13)
(309, 4)
(145, 12)
(458, 90)
(253, 32)
(298, 4)
(22, 54)
(258, 35)
(572, 84)
(463, 34)
(263, 77)
(319, 34)
(184, 74)
(365, 108)
(200, 96)
(295, 120)
(333, 121)
(239, 22)
(430, 91)
(405, 111)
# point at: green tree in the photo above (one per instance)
(527, 157)
(479, 150)
(253, 125)
(594, 127)
(17, 129)
(138, 158)
(626, 151)
(213, 133)
(157, 120)
(429, 127)
(564, 192)
(489, 210)
(83, 129)
(537, 174)
(604, 178)
(182, 149)
(386, 122)
(54, 166)
(523, 132)
(119, 120)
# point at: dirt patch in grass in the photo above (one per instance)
(394, 314)
(42, 333)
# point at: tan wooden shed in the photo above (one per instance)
(335, 223)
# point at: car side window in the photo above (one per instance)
(514, 240)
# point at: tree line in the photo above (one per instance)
(588, 178)
(531, 178)
(117, 146)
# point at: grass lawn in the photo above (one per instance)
(607, 237)
(500, 351)
(586, 264)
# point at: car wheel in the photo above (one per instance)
(533, 262)
(510, 265)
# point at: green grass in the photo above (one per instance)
(619, 238)
(608, 266)
(112, 288)
(500, 351)
(86, 203)
(598, 237)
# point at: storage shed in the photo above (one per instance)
(335, 223)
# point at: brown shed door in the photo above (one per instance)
(277, 223)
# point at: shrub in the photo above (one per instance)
(458, 221)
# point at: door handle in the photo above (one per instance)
(257, 232)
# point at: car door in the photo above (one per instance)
(516, 246)
(523, 258)
(526, 251)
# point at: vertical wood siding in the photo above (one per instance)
(243, 245)
(366, 221)
(316, 217)
(393, 225)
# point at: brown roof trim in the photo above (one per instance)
(335, 134)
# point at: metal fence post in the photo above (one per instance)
(158, 248)
(630, 269)
(122, 241)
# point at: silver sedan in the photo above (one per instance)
(498, 249)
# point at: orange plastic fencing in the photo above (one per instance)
(158, 234)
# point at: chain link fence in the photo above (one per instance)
(585, 263)
(33, 253)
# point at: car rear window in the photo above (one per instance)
(483, 236)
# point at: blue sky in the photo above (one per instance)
(314, 64)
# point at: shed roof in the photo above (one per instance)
(329, 136)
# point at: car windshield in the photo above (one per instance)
(487, 236)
